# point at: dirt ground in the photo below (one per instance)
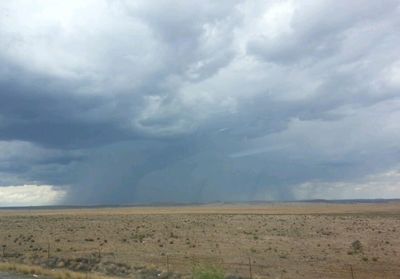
(296, 240)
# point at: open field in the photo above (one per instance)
(298, 240)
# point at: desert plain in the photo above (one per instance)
(272, 240)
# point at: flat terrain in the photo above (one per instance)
(294, 240)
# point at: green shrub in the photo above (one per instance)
(208, 272)
(357, 246)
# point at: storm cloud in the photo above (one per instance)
(181, 101)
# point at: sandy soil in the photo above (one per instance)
(296, 240)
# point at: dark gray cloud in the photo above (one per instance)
(120, 102)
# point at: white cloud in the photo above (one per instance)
(392, 75)
(30, 195)
(384, 185)
(79, 41)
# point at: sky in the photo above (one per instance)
(121, 102)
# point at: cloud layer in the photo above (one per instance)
(171, 101)
(30, 195)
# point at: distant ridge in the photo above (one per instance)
(347, 201)
(176, 204)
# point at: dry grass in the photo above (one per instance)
(290, 240)
(54, 274)
(270, 209)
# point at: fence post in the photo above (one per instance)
(193, 266)
(4, 250)
(167, 264)
(250, 271)
(48, 250)
(352, 272)
(99, 253)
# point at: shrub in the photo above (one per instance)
(357, 247)
(208, 272)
